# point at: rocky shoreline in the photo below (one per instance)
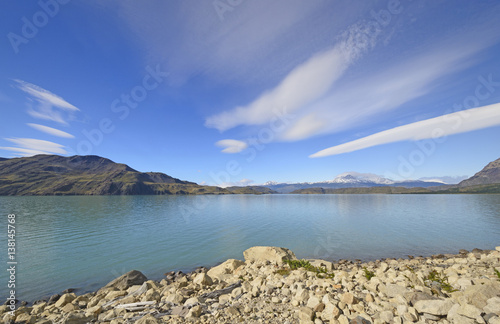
(272, 286)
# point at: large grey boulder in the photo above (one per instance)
(127, 280)
(415, 296)
(148, 319)
(434, 307)
(393, 290)
(76, 318)
(493, 306)
(478, 295)
(226, 268)
(268, 253)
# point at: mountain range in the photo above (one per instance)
(95, 175)
(351, 180)
(485, 181)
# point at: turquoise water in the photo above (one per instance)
(84, 242)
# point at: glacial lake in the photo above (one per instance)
(84, 242)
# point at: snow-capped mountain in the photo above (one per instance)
(446, 180)
(356, 177)
(271, 183)
(351, 180)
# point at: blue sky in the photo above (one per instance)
(243, 92)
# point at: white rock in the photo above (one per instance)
(453, 313)
(477, 295)
(64, 299)
(302, 295)
(386, 316)
(192, 301)
(393, 290)
(470, 311)
(258, 282)
(349, 298)
(225, 268)
(464, 283)
(236, 292)
(434, 307)
(305, 314)
(330, 312)
(383, 267)
(493, 306)
(203, 279)
(194, 312)
(268, 253)
(224, 298)
(409, 317)
(321, 264)
(313, 301)
(343, 319)
(494, 320)
(174, 298)
(402, 309)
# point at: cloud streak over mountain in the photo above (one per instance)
(32, 146)
(436, 128)
(50, 106)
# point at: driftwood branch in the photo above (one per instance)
(217, 293)
(141, 290)
(134, 307)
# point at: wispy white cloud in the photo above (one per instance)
(323, 105)
(358, 101)
(446, 179)
(304, 84)
(45, 95)
(19, 151)
(355, 103)
(49, 106)
(37, 144)
(31, 146)
(454, 123)
(241, 183)
(50, 130)
(231, 145)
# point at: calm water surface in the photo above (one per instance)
(84, 242)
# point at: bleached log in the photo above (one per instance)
(139, 304)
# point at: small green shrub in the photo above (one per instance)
(439, 278)
(321, 272)
(368, 274)
(283, 272)
(497, 273)
(296, 264)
